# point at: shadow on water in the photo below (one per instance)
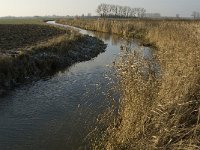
(59, 112)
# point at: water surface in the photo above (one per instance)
(58, 112)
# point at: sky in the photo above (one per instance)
(79, 7)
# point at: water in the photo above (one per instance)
(58, 112)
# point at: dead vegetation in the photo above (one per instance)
(162, 113)
(156, 112)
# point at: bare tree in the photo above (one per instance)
(116, 9)
(120, 11)
(107, 10)
(137, 10)
(142, 12)
(128, 11)
(100, 10)
(124, 10)
(133, 12)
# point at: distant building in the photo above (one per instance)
(152, 15)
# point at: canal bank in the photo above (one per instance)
(46, 58)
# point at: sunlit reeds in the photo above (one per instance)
(156, 112)
(163, 113)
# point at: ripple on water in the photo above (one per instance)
(56, 113)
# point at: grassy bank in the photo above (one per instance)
(29, 52)
(156, 112)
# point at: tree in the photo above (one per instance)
(120, 11)
(133, 12)
(107, 10)
(142, 12)
(113, 10)
(128, 11)
(137, 10)
(99, 10)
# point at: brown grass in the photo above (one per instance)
(156, 113)
(162, 113)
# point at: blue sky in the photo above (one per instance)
(78, 7)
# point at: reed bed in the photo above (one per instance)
(156, 111)
(162, 113)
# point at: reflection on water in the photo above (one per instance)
(59, 112)
(100, 35)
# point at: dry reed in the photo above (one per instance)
(156, 113)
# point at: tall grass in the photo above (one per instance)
(156, 112)
(162, 113)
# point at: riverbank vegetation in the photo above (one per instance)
(158, 110)
(162, 112)
(29, 52)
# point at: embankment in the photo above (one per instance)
(43, 58)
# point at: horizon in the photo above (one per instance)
(25, 8)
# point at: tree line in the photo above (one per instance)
(109, 10)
